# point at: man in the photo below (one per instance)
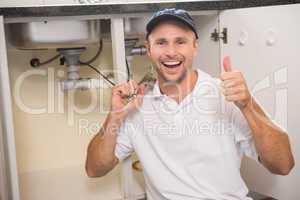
(191, 131)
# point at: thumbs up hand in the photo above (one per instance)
(234, 85)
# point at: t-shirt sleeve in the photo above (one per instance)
(243, 134)
(124, 147)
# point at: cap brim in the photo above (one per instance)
(165, 17)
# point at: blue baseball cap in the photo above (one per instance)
(171, 14)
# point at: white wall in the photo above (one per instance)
(264, 44)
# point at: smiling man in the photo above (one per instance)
(191, 130)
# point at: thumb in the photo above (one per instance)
(141, 89)
(227, 64)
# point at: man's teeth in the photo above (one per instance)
(172, 63)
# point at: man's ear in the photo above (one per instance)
(147, 45)
(196, 47)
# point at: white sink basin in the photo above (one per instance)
(54, 34)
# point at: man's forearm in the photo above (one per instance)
(271, 142)
(100, 156)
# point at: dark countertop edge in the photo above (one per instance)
(51, 11)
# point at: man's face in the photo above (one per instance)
(172, 48)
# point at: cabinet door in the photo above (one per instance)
(264, 44)
(16, 3)
(209, 50)
(3, 178)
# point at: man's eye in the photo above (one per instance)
(160, 43)
(181, 42)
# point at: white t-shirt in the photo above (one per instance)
(191, 150)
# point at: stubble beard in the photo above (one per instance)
(172, 82)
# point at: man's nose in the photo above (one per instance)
(171, 51)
